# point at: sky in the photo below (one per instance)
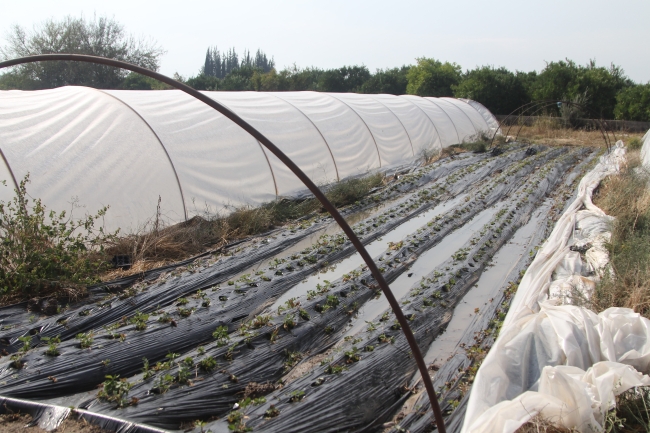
(519, 35)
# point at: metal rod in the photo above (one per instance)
(417, 354)
(602, 125)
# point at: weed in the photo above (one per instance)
(230, 353)
(147, 373)
(635, 143)
(261, 321)
(296, 396)
(236, 422)
(184, 374)
(292, 358)
(383, 338)
(163, 384)
(47, 252)
(208, 364)
(52, 345)
(334, 369)
(17, 362)
(221, 334)
(352, 356)
(186, 312)
(271, 412)
(115, 390)
(139, 320)
(27, 343)
(85, 339)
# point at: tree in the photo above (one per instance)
(101, 36)
(391, 81)
(499, 90)
(135, 81)
(596, 86)
(430, 77)
(343, 80)
(633, 103)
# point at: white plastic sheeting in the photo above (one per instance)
(489, 118)
(128, 148)
(645, 149)
(562, 361)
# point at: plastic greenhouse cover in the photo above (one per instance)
(445, 126)
(216, 161)
(348, 138)
(390, 135)
(474, 116)
(562, 361)
(421, 130)
(466, 129)
(492, 122)
(283, 123)
(88, 146)
(128, 148)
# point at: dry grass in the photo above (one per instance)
(539, 424)
(632, 415)
(627, 197)
(158, 243)
(550, 131)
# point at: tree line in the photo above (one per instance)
(605, 91)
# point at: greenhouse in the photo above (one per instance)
(128, 149)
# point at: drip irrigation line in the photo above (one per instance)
(408, 333)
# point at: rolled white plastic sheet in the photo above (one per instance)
(562, 361)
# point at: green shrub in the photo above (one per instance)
(47, 252)
(635, 143)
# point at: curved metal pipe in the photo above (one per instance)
(602, 126)
(415, 350)
(550, 102)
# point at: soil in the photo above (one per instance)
(17, 423)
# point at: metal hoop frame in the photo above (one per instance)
(408, 333)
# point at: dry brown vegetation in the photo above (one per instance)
(158, 243)
(552, 132)
(17, 423)
(539, 424)
(627, 198)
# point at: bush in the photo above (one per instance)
(45, 253)
(431, 77)
(500, 90)
(633, 103)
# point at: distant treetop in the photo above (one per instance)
(101, 36)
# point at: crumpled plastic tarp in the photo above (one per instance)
(558, 360)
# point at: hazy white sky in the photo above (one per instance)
(520, 35)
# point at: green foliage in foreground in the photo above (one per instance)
(47, 252)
